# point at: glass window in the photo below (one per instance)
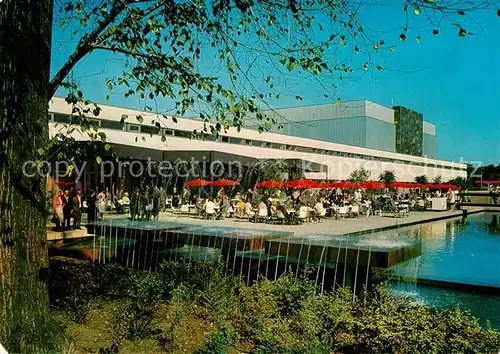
(108, 124)
(149, 129)
(225, 139)
(183, 134)
(133, 128)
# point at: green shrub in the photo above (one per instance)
(219, 342)
(131, 320)
(71, 284)
(282, 316)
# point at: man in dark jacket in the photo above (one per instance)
(67, 209)
(77, 206)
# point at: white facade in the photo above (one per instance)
(331, 160)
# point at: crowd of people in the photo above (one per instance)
(147, 202)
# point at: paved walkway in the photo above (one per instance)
(326, 226)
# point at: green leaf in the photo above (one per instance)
(139, 119)
(98, 159)
(40, 151)
(174, 119)
(416, 11)
(163, 138)
(292, 64)
(260, 130)
(107, 147)
(461, 12)
(298, 98)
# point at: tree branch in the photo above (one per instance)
(83, 47)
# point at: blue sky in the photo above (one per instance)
(454, 82)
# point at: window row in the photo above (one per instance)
(148, 129)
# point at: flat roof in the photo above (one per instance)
(110, 113)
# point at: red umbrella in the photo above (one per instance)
(302, 183)
(224, 183)
(327, 185)
(400, 185)
(372, 185)
(197, 183)
(270, 184)
(348, 184)
(65, 183)
(442, 186)
(487, 182)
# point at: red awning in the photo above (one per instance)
(270, 184)
(400, 185)
(487, 182)
(372, 185)
(224, 183)
(442, 186)
(197, 183)
(302, 183)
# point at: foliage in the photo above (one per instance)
(387, 177)
(437, 179)
(132, 320)
(218, 343)
(288, 315)
(422, 179)
(166, 45)
(460, 182)
(359, 175)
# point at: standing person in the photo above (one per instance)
(185, 196)
(163, 199)
(91, 207)
(57, 207)
(156, 204)
(67, 209)
(134, 203)
(101, 204)
(77, 206)
(220, 194)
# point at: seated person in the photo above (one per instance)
(123, 203)
(282, 208)
(209, 206)
(226, 205)
(319, 209)
(248, 209)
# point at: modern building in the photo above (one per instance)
(316, 158)
(359, 123)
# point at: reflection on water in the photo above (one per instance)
(465, 251)
(459, 251)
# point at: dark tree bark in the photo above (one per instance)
(25, 40)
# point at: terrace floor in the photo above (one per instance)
(326, 226)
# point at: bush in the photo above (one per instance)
(282, 316)
(132, 320)
(219, 342)
(71, 284)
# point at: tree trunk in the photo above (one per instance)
(25, 38)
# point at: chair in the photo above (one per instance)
(355, 210)
(366, 210)
(184, 209)
(320, 214)
(343, 211)
(210, 211)
(303, 213)
(280, 216)
(262, 215)
(193, 211)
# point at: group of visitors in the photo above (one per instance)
(66, 206)
(145, 203)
